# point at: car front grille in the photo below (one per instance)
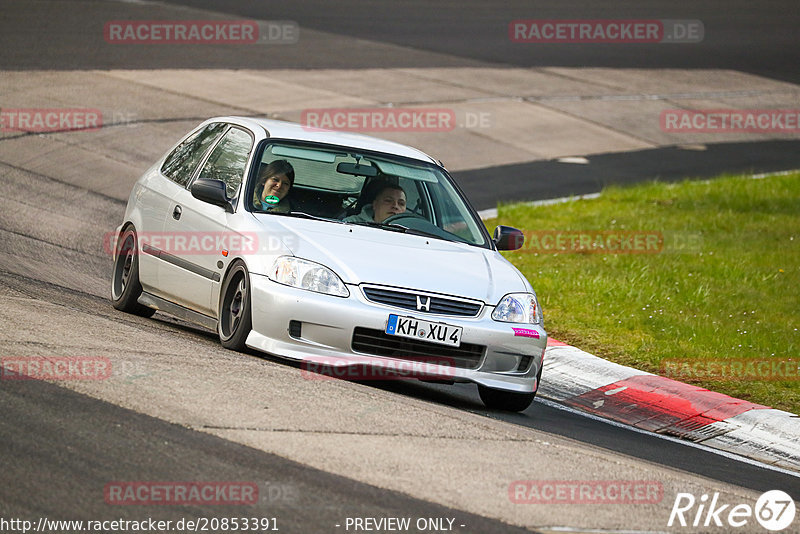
(403, 298)
(378, 343)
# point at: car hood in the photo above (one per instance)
(360, 254)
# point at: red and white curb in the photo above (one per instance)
(589, 384)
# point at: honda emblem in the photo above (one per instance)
(423, 305)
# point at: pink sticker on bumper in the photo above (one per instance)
(526, 332)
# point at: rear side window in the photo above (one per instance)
(181, 163)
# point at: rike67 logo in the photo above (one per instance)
(774, 510)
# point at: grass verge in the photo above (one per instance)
(698, 281)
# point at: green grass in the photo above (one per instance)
(725, 285)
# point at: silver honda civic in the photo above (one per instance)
(356, 256)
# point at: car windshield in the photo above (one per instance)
(351, 187)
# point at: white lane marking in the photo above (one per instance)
(578, 160)
(768, 174)
(491, 213)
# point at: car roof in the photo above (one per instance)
(290, 130)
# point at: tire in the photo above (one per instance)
(235, 312)
(510, 401)
(125, 285)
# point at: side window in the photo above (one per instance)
(452, 217)
(228, 160)
(182, 162)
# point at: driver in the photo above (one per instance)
(390, 200)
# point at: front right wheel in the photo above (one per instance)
(510, 401)
(125, 285)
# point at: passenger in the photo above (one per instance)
(274, 182)
(390, 200)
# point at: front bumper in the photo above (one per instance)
(509, 360)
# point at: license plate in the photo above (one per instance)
(410, 327)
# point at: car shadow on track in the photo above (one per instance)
(460, 396)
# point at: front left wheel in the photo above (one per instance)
(235, 314)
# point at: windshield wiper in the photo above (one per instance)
(301, 215)
(391, 226)
(423, 233)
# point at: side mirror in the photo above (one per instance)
(508, 238)
(213, 192)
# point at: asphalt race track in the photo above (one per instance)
(179, 407)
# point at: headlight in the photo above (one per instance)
(308, 275)
(518, 308)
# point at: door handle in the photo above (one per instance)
(176, 213)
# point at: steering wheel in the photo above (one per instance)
(404, 215)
